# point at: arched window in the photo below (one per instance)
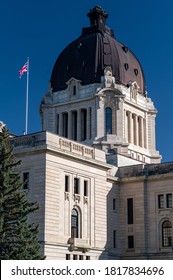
(108, 113)
(74, 223)
(166, 234)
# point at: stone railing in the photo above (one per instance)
(55, 141)
(145, 170)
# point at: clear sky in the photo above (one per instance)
(41, 29)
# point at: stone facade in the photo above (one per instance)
(121, 211)
(94, 169)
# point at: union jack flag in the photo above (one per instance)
(23, 69)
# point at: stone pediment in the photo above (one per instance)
(73, 81)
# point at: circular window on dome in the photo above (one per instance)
(126, 66)
(136, 71)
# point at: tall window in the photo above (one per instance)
(169, 200)
(65, 124)
(166, 234)
(108, 113)
(130, 210)
(76, 185)
(114, 204)
(85, 188)
(160, 201)
(74, 90)
(114, 239)
(66, 183)
(74, 223)
(26, 180)
(74, 125)
(130, 241)
(83, 124)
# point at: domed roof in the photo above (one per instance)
(86, 58)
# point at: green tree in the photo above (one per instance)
(18, 238)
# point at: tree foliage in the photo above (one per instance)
(18, 238)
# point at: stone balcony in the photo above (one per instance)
(79, 244)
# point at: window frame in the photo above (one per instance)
(166, 234)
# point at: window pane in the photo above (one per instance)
(169, 200)
(85, 188)
(83, 124)
(76, 185)
(130, 241)
(67, 256)
(74, 125)
(160, 201)
(166, 234)
(114, 239)
(114, 204)
(130, 210)
(65, 124)
(66, 183)
(74, 224)
(108, 112)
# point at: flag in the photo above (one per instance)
(23, 69)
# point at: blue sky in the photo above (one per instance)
(41, 30)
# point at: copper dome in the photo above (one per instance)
(86, 58)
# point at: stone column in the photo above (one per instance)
(60, 124)
(88, 136)
(69, 125)
(100, 117)
(141, 136)
(145, 133)
(135, 129)
(129, 127)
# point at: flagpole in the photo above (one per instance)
(27, 90)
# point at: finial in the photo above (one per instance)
(97, 16)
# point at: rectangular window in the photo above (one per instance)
(26, 180)
(66, 183)
(76, 185)
(80, 257)
(130, 211)
(169, 200)
(114, 204)
(67, 256)
(74, 257)
(130, 242)
(85, 188)
(87, 257)
(114, 239)
(160, 201)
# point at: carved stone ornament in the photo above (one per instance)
(108, 78)
(85, 200)
(66, 194)
(76, 198)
